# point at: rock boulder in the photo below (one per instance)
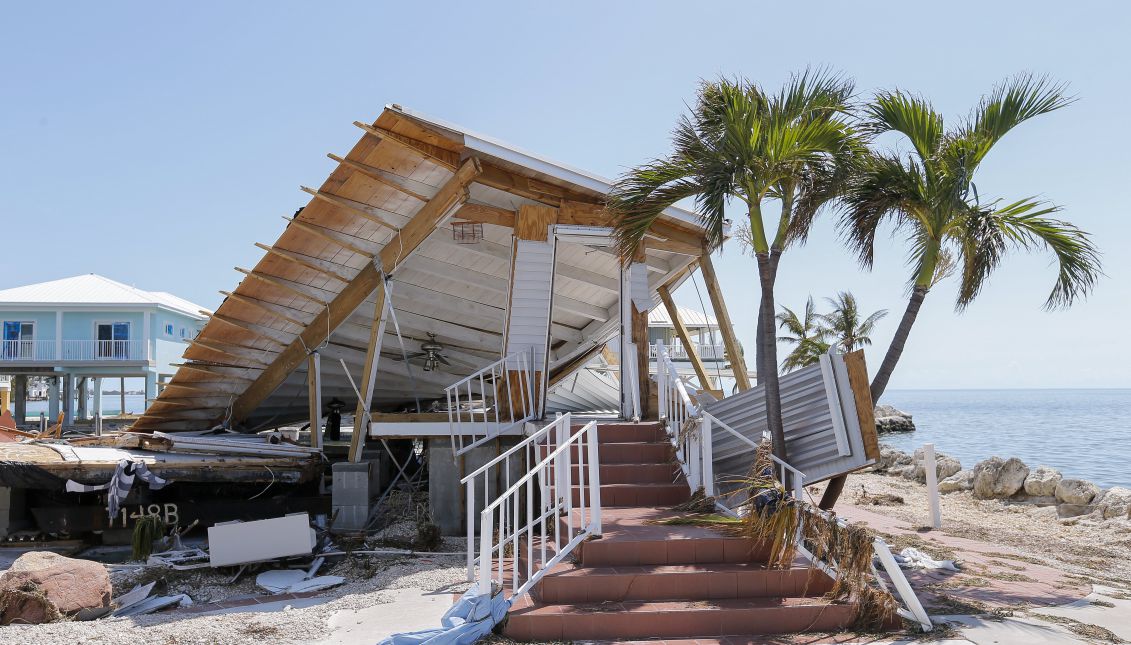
(1076, 491)
(1115, 503)
(889, 419)
(962, 480)
(41, 585)
(891, 458)
(945, 466)
(1042, 481)
(997, 478)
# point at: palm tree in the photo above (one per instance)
(929, 195)
(741, 144)
(803, 332)
(843, 322)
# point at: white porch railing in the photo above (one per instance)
(492, 401)
(677, 351)
(696, 458)
(104, 350)
(27, 350)
(73, 350)
(515, 528)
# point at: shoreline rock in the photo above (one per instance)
(890, 419)
(1012, 482)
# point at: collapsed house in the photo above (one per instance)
(456, 294)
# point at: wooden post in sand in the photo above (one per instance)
(932, 484)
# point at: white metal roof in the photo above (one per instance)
(692, 319)
(500, 149)
(93, 289)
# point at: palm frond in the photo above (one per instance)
(910, 115)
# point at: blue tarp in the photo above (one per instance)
(471, 618)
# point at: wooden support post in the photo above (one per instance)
(395, 252)
(705, 381)
(640, 339)
(369, 375)
(314, 398)
(726, 327)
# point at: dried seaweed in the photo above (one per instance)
(775, 518)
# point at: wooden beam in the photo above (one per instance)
(330, 235)
(197, 342)
(639, 321)
(270, 308)
(380, 176)
(314, 264)
(275, 282)
(314, 398)
(485, 214)
(726, 327)
(363, 210)
(705, 381)
(533, 189)
(273, 335)
(436, 154)
(534, 222)
(369, 374)
(453, 192)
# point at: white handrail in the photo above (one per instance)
(508, 524)
(492, 401)
(696, 458)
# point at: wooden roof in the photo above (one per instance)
(391, 203)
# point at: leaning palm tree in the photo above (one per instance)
(844, 325)
(742, 145)
(930, 196)
(804, 333)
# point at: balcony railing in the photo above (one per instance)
(677, 352)
(73, 350)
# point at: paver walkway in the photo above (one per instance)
(993, 575)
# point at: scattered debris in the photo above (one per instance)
(242, 542)
(295, 581)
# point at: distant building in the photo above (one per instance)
(80, 330)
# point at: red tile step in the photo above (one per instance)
(629, 433)
(529, 620)
(668, 473)
(642, 494)
(566, 583)
(627, 453)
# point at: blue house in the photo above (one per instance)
(80, 330)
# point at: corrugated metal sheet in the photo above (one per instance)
(658, 317)
(529, 321)
(822, 430)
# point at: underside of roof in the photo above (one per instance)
(444, 286)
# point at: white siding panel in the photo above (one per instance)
(532, 285)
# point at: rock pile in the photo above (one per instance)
(1011, 480)
(889, 419)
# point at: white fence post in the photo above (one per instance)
(932, 485)
(594, 482)
(486, 561)
(707, 449)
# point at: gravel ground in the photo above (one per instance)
(368, 580)
(1097, 550)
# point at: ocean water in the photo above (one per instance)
(111, 404)
(1086, 434)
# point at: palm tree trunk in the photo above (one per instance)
(768, 350)
(880, 381)
(760, 356)
(895, 350)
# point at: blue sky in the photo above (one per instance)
(154, 143)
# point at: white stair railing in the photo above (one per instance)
(494, 400)
(695, 455)
(536, 522)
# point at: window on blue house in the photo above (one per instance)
(168, 329)
(183, 332)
